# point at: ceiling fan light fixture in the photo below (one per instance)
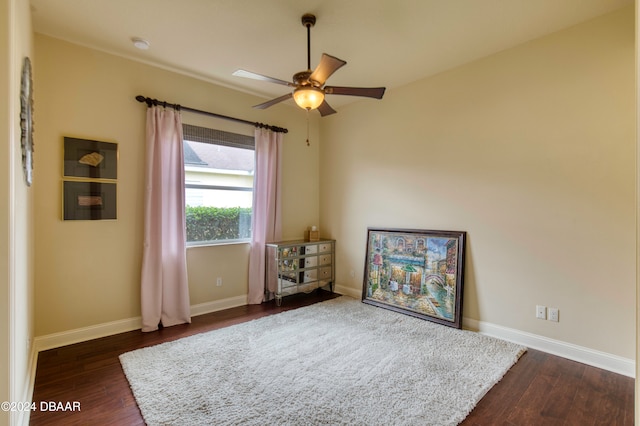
(308, 97)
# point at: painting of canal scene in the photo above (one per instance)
(416, 272)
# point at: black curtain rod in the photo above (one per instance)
(177, 107)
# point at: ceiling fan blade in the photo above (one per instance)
(273, 101)
(255, 76)
(369, 92)
(327, 66)
(325, 109)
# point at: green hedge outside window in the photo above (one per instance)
(217, 223)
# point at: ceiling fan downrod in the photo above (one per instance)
(308, 20)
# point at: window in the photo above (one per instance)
(219, 168)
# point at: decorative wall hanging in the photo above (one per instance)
(26, 121)
(90, 159)
(89, 200)
(416, 272)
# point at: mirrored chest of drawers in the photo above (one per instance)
(299, 266)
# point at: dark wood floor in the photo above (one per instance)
(541, 389)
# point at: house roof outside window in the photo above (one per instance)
(220, 157)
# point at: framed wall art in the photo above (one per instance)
(416, 272)
(89, 200)
(85, 158)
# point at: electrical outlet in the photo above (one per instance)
(541, 312)
(554, 314)
(219, 282)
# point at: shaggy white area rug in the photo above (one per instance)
(339, 362)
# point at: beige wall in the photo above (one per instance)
(5, 211)
(637, 388)
(532, 152)
(16, 249)
(87, 272)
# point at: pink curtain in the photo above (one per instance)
(265, 221)
(164, 287)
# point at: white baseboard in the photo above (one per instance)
(24, 416)
(570, 351)
(348, 291)
(606, 361)
(218, 305)
(56, 340)
(64, 338)
(592, 357)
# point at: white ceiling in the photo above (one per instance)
(385, 42)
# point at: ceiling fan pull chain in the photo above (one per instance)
(308, 144)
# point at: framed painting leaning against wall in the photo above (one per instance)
(416, 272)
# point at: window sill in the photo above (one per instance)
(216, 243)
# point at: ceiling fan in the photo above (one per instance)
(309, 87)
